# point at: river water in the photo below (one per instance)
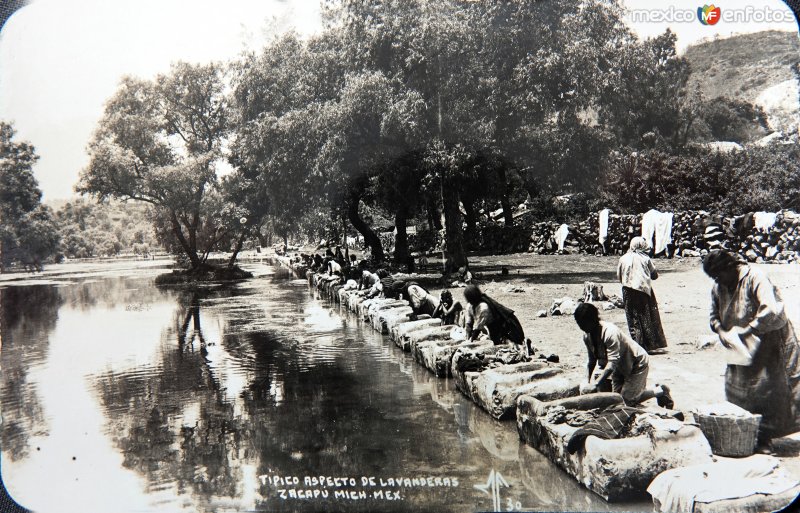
(120, 396)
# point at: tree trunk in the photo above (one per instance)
(455, 256)
(508, 214)
(401, 238)
(238, 248)
(371, 239)
(190, 251)
(434, 218)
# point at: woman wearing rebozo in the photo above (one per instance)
(747, 313)
(636, 272)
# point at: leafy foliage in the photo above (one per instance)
(735, 182)
(28, 235)
(89, 229)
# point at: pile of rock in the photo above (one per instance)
(779, 242)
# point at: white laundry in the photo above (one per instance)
(561, 236)
(764, 220)
(649, 225)
(663, 232)
(603, 226)
(678, 489)
(657, 225)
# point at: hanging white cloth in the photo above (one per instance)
(663, 232)
(603, 226)
(657, 225)
(561, 236)
(649, 225)
(764, 220)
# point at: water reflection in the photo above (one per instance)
(180, 400)
(27, 316)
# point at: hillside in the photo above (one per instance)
(753, 67)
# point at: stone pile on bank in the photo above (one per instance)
(690, 235)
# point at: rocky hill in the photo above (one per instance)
(753, 67)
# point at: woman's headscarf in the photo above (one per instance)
(639, 245)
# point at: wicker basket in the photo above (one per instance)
(729, 435)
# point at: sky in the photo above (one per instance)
(60, 60)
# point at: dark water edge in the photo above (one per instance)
(120, 396)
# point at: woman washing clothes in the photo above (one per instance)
(484, 312)
(747, 311)
(448, 309)
(619, 358)
(422, 301)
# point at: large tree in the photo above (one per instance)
(160, 141)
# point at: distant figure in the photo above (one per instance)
(368, 280)
(334, 267)
(618, 357)
(387, 281)
(339, 256)
(410, 267)
(485, 312)
(747, 310)
(448, 309)
(318, 262)
(422, 301)
(635, 272)
(463, 277)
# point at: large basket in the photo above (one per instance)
(729, 435)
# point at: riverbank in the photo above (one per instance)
(693, 364)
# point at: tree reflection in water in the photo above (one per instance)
(27, 316)
(174, 426)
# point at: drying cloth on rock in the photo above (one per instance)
(557, 415)
(764, 220)
(609, 424)
(561, 236)
(509, 355)
(578, 418)
(603, 234)
(574, 418)
(647, 423)
(678, 489)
